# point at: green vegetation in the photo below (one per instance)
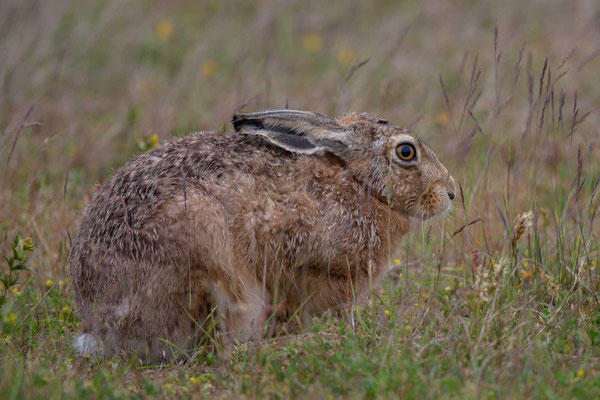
(497, 300)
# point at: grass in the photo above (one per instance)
(489, 302)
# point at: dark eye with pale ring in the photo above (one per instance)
(406, 151)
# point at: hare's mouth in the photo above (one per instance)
(427, 214)
(433, 204)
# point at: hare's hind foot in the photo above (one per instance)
(161, 329)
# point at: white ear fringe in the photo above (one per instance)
(87, 345)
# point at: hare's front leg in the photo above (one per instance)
(240, 308)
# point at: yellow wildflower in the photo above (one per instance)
(443, 118)
(526, 274)
(397, 261)
(312, 43)
(164, 30)
(12, 318)
(408, 328)
(346, 57)
(193, 379)
(387, 312)
(154, 140)
(580, 373)
(48, 282)
(16, 291)
(28, 244)
(66, 309)
(209, 67)
(247, 376)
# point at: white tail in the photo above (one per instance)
(87, 345)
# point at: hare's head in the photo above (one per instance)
(393, 165)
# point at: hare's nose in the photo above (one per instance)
(451, 188)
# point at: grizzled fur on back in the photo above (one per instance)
(270, 220)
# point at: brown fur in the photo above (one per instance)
(241, 223)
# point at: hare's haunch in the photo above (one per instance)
(275, 219)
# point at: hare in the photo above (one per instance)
(276, 219)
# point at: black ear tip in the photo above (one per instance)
(237, 121)
(242, 121)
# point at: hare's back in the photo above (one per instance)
(132, 202)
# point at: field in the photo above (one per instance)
(497, 300)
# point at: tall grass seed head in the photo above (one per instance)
(489, 278)
(523, 224)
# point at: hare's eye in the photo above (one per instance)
(406, 152)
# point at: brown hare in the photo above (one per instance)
(276, 218)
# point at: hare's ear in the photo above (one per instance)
(296, 131)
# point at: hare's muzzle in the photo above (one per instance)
(451, 187)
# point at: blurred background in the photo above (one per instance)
(505, 92)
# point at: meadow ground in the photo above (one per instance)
(500, 299)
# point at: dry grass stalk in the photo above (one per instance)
(488, 278)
